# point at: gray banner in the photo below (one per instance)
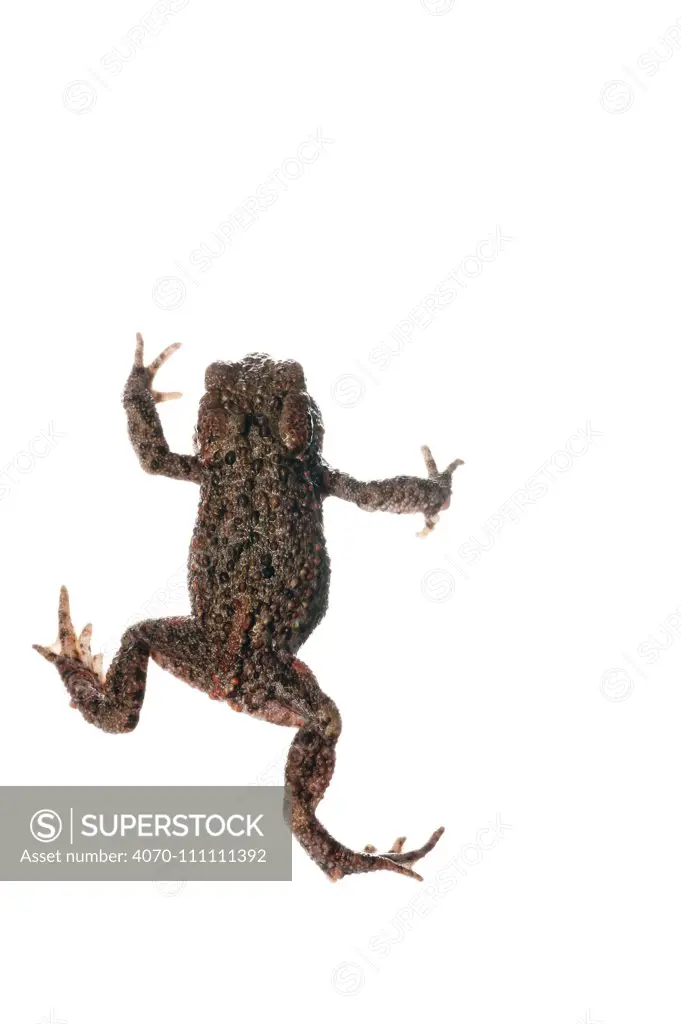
(145, 833)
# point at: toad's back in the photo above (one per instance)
(258, 548)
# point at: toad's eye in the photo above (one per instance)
(290, 375)
(221, 376)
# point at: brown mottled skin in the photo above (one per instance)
(258, 572)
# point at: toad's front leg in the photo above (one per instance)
(401, 494)
(140, 399)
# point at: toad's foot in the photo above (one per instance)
(444, 480)
(81, 672)
(337, 860)
(396, 854)
(150, 371)
(72, 647)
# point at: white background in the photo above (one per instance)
(463, 697)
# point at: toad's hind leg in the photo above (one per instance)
(113, 702)
(292, 687)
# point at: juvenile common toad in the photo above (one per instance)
(258, 576)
